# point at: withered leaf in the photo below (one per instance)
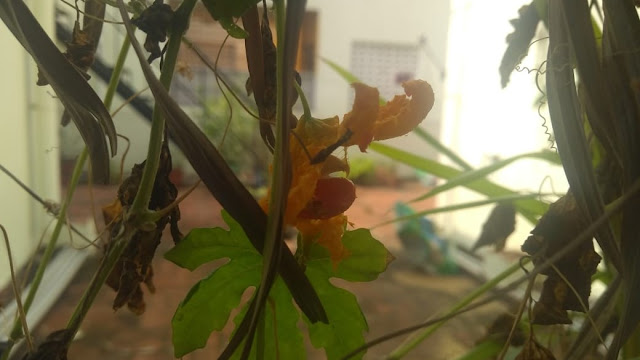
(501, 327)
(518, 41)
(262, 81)
(532, 350)
(499, 225)
(134, 267)
(155, 22)
(54, 347)
(549, 310)
(80, 52)
(563, 222)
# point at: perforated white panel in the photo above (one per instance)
(384, 65)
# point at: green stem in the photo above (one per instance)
(117, 71)
(120, 242)
(139, 211)
(62, 215)
(117, 247)
(16, 331)
(104, 269)
(419, 336)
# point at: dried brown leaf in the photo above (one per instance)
(134, 267)
(499, 225)
(54, 347)
(563, 222)
(532, 350)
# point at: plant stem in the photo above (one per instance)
(16, 292)
(16, 332)
(419, 336)
(117, 71)
(96, 283)
(139, 212)
(118, 245)
(120, 242)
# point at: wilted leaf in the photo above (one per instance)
(155, 22)
(54, 347)
(499, 225)
(562, 223)
(134, 266)
(500, 329)
(532, 350)
(549, 309)
(518, 41)
(224, 11)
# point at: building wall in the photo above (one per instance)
(28, 144)
(483, 122)
(405, 22)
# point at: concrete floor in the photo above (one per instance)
(402, 296)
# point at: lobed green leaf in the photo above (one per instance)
(201, 246)
(207, 306)
(368, 258)
(282, 337)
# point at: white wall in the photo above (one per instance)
(340, 23)
(482, 121)
(28, 144)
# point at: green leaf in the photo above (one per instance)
(344, 73)
(282, 337)
(201, 246)
(233, 30)
(529, 208)
(424, 135)
(224, 11)
(461, 206)
(484, 350)
(207, 306)
(473, 175)
(346, 321)
(368, 258)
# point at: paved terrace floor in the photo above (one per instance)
(400, 297)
